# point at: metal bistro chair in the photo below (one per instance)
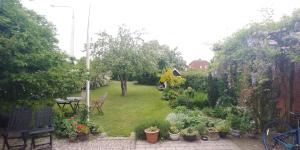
(99, 103)
(17, 128)
(43, 127)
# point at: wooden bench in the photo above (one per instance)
(99, 103)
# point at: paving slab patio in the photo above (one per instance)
(118, 143)
(183, 145)
(129, 143)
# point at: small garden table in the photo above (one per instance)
(72, 101)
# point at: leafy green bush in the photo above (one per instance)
(196, 79)
(66, 126)
(163, 126)
(183, 100)
(218, 112)
(169, 94)
(197, 100)
(200, 100)
(147, 78)
(240, 119)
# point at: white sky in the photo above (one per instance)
(191, 25)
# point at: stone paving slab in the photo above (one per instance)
(120, 143)
(222, 144)
(96, 144)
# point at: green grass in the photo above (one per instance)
(122, 114)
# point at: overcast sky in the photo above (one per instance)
(191, 25)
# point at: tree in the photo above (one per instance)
(30, 63)
(120, 54)
(127, 55)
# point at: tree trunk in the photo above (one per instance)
(123, 79)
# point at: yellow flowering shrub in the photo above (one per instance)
(170, 79)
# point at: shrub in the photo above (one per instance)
(218, 112)
(69, 127)
(196, 79)
(162, 125)
(147, 78)
(184, 100)
(212, 90)
(187, 118)
(200, 100)
(169, 94)
(223, 126)
(172, 81)
(241, 119)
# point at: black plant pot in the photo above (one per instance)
(223, 134)
(190, 138)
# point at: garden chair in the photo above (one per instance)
(43, 127)
(99, 103)
(17, 128)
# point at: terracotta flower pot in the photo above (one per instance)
(152, 137)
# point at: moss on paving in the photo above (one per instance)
(122, 114)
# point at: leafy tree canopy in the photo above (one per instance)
(30, 63)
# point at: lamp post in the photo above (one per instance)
(88, 63)
(73, 28)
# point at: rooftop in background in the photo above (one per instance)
(199, 64)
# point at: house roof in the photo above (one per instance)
(197, 63)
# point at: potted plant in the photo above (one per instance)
(82, 132)
(213, 134)
(94, 129)
(152, 134)
(189, 134)
(223, 129)
(174, 133)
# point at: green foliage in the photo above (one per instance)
(147, 78)
(246, 61)
(174, 129)
(171, 80)
(184, 118)
(30, 63)
(218, 112)
(70, 127)
(152, 129)
(200, 100)
(223, 126)
(241, 119)
(94, 128)
(169, 94)
(195, 79)
(189, 131)
(99, 75)
(128, 56)
(212, 90)
(191, 99)
(263, 102)
(162, 125)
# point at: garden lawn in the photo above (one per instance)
(122, 114)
